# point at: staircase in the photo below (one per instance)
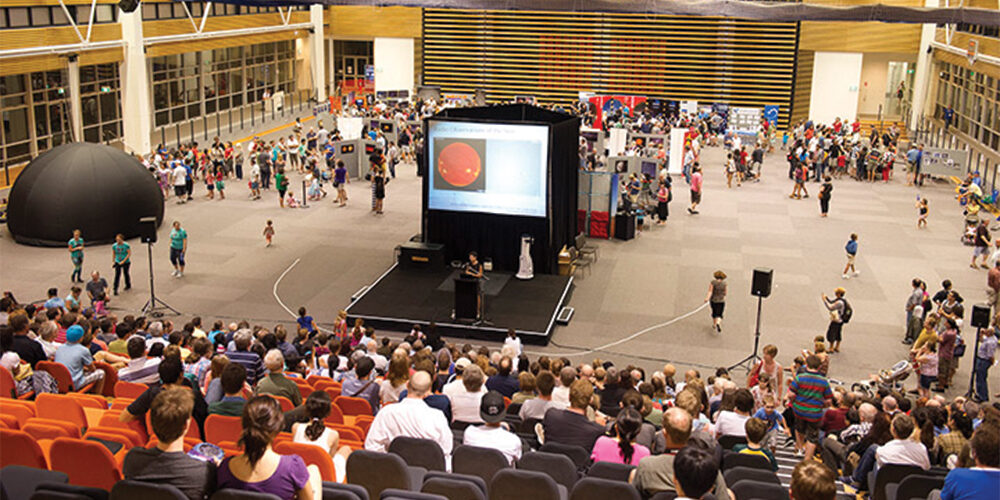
(867, 124)
(785, 455)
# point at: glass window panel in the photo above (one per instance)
(179, 12)
(90, 111)
(148, 11)
(105, 14)
(15, 125)
(3, 19)
(163, 10)
(210, 105)
(82, 14)
(41, 121)
(109, 106)
(40, 16)
(13, 101)
(59, 17)
(196, 8)
(18, 17)
(18, 153)
(12, 84)
(92, 134)
(162, 118)
(194, 110)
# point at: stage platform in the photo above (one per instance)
(403, 297)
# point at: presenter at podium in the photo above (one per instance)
(474, 270)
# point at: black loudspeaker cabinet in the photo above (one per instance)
(147, 229)
(761, 284)
(980, 316)
(624, 226)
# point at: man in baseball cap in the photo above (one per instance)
(78, 360)
(494, 434)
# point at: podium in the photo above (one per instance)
(466, 298)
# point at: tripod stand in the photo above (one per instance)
(154, 306)
(750, 361)
(972, 377)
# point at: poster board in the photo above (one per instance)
(350, 127)
(941, 162)
(744, 120)
(676, 156)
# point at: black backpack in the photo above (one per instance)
(845, 317)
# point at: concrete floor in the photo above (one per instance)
(646, 286)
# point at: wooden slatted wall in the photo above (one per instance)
(554, 55)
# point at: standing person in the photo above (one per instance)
(824, 196)
(982, 245)
(268, 232)
(340, 181)
(281, 182)
(984, 360)
(695, 189)
(179, 181)
(730, 170)
(717, 298)
(852, 253)
(840, 313)
(809, 393)
(178, 247)
(662, 202)
(379, 180)
(121, 260)
(75, 246)
(922, 209)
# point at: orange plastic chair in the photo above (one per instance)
(8, 388)
(311, 455)
(87, 463)
(286, 404)
(192, 432)
(110, 420)
(315, 379)
(219, 428)
(110, 378)
(42, 428)
(114, 438)
(349, 432)
(61, 407)
(129, 390)
(10, 421)
(128, 434)
(305, 390)
(20, 449)
(353, 445)
(364, 422)
(20, 412)
(353, 406)
(62, 376)
(335, 417)
(121, 403)
(334, 392)
(322, 385)
(94, 401)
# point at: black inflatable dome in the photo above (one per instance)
(91, 187)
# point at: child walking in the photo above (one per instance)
(852, 253)
(268, 232)
(922, 208)
(220, 183)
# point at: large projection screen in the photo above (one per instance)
(492, 168)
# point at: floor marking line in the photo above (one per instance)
(274, 291)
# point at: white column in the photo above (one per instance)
(317, 57)
(75, 104)
(137, 117)
(393, 64)
(925, 63)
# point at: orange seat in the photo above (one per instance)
(313, 380)
(283, 437)
(8, 422)
(87, 463)
(219, 428)
(110, 419)
(110, 378)
(305, 390)
(334, 392)
(128, 434)
(286, 404)
(129, 390)
(349, 432)
(19, 448)
(322, 385)
(62, 376)
(19, 411)
(90, 400)
(61, 407)
(311, 455)
(353, 406)
(110, 435)
(354, 445)
(43, 428)
(336, 416)
(121, 403)
(8, 388)
(364, 422)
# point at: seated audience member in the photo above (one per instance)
(465, 404)
(276, 383)
(120, 345)
(492, 434)
(835, 418)
(171, 372)
(167, 463)
(360, 383)
(213, 380)
(983, 480)
(47, 338)
(695, 472)
(526, 388)
(622, 448)
(732, 423)
(953, 441)
(242, 355)
(656, 473)
(410, 417)
(259, 469)
(536, 407)
(28, 350)
(834, 448)
(756, 429)
(232, 403)
(503, 382)
(395, 378)
(812, 481)
(902, 450)
(78, 360)
(315, 432)
(455, 385)
(140, 369)
(571, 426)
(561, 393)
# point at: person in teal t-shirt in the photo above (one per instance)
(121, 260)
(178, 247)
(75, 246)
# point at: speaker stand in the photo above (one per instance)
(750, 361)
(972, 376)
(154, 307)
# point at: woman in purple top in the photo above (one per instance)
(339, 181)
(259, 468)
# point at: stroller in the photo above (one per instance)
(890, 378)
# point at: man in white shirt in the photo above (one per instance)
(902, 450)
(491, 434)
(140, 369)
(561, 393)
(410, 417)
(456, 386)
(179, 175)
(732, 423)
(381, 363)
(465, 403)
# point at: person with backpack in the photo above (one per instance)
(840, 314)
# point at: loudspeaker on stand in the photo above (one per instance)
(761, 284)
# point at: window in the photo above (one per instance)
(18, 17)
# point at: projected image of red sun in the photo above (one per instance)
(459, 164)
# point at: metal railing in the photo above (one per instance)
(931, 132)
